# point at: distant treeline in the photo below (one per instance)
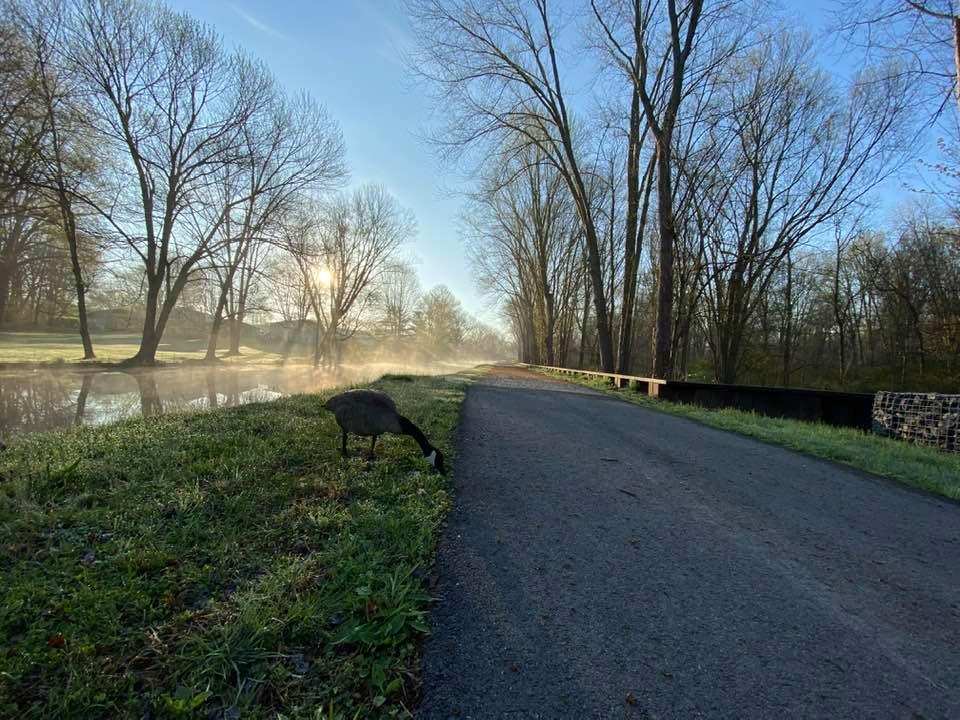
(148, 172)
(684, 188)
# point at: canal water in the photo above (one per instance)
(47, 399)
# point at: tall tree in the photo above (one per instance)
(399, 295)
(342, 248)
(922, 36)
(525, 242)
(801, 156)
(497, 66)
(440, 320)
(66, 169)
(681, 24)
(290, 149)
(174, 103)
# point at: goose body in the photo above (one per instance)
(365, 412)
(371, 413)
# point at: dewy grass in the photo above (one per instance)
(914, 465)
(220, 564)
(51, 348)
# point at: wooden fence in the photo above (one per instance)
(619, 380)
(842, 409)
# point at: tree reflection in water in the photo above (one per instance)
(41, 400)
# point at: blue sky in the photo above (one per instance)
(347, 54)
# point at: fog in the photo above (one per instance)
(43, 400)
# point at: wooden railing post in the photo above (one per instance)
(615, 379)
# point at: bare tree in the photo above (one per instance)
(496, 63)
(525, 241)
(22, 127)
(290, 148)
(342, 249)
(66, 168)
(923, 36)
(399, 295)
(174, 103)
(801, 157)
(440, 320)
(648, 65)
(843, 295)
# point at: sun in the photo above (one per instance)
(324, 277)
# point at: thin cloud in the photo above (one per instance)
(389, 29)
(258, 24)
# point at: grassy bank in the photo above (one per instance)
(920, 467)
(51, 348)
(225, 564)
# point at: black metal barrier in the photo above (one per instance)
(828, 406)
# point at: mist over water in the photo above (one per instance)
(43, 400)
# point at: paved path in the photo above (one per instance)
(605, 561)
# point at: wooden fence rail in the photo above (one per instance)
(618, 379)
(834, 408)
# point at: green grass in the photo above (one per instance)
(223, 564)
(921, 467)
(50, 348)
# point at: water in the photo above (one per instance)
(43, 400)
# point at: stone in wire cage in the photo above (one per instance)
(928, 419)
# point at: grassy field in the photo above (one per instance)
(223, 564)
(52, 348)
(921, 467)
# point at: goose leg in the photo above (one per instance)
(343, 444)
(373, 444)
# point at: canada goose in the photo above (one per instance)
(372, 413)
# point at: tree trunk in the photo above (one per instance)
(662, 365)
(5, 273)
(550, 328)
(236, 323)
(788, 324)
(842, 337)
(212, 398)
(604, 336)
(215, 329)
(8, 264)
(69, 220)
(583, 327)
(838, 315)
(633, 233)
(147, 352)
(225, 288)
(729, 360)
(88, 353)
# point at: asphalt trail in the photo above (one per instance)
(606, 561)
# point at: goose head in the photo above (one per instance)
(435, 458)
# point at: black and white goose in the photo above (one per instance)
(371, 413)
